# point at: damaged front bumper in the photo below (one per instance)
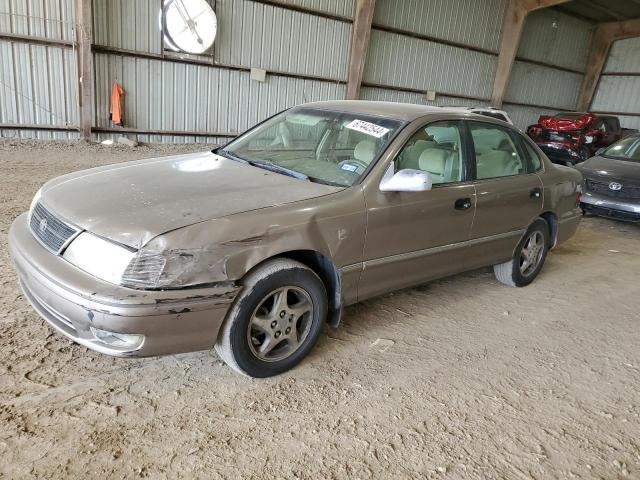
(87, 309)
(560, 153)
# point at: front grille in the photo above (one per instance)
(626, 192)
(52, 232)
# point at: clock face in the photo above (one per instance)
(189, 25)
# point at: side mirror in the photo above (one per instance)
(407, 180)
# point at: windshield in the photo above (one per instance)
(324, 146)
(626, 149)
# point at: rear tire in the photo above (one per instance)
(528, 258)
(275, 321)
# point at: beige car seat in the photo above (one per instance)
(365, 151)
(497, 163)
(438, 162)
(411, 156)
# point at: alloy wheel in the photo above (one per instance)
(531, 254)
(280, 324)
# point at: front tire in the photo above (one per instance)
(275, 321)
(528, 258)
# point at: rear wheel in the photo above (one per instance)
(275, 321)
(528, 258)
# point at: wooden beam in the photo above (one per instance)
(85, 67)
(359, 45)
(603, 37)
(50, 42)
(512, 27)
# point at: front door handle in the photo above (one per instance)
(535, 193)
(462, 204)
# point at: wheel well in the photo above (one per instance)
(552, 222)
(330, 276)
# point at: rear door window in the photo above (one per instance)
(496, 154)
(534, 157)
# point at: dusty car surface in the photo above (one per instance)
(612, 181)
(253, 247)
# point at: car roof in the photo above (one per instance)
(394, 110)
(582, 114)
(484, 109)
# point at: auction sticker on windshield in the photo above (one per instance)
(368, 128)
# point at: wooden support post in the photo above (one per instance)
(359, 45)
(85, 66)
(512, 27)
(603, 37)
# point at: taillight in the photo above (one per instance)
(578, 194)
(534, 131)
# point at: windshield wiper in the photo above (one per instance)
(325, 182)
(278, 169)
(231, 156)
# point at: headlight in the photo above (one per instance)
(98, 257)
(150, 270)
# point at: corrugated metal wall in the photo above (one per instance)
(555, 39)
(455, 53)
(541, 85)
(37, 82)
(401, 61)
(619, 87)
(449, 46)
(344, 8)
(179, 97)
(133, 25)
(428, 57)
(44, 18)
(170, 96)
(253, 34)
(470, 22)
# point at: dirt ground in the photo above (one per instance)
(459, 378)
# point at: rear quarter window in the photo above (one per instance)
(532, 155)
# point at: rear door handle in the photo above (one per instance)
(535, 193)
(462, 204)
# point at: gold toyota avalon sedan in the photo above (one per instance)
(253, 247)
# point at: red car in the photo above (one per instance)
(570, 138)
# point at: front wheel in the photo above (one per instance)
(275, 321)
(528, 258)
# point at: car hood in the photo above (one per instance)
(133, 202)
(608, 168)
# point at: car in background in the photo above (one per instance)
(252, 248)
(611, 185)
(486, 111)
(569, 138)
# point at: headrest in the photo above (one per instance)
(365, 151)
(433, 160)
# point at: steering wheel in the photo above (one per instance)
(362, 166)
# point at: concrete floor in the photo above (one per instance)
(459, 378)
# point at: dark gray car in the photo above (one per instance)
(611, 185)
